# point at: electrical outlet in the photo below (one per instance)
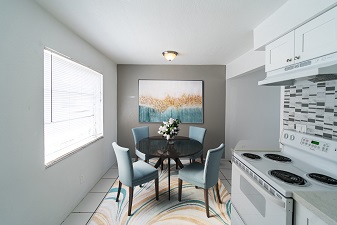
(81, 179)
(301, 128)
(304, 128)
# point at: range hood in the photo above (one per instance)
(316, 70)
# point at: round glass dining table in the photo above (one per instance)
(157, 146)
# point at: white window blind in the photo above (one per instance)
(73, 106)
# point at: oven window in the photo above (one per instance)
(253, 195)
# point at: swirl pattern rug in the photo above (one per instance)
(146, 210)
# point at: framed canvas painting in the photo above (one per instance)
(160, 100)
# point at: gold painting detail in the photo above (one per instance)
(163, 104)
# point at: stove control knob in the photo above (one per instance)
(292, 137)
(286, 136)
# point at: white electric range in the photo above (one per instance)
(263, 182)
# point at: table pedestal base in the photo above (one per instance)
(160, 162)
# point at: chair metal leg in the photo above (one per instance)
(217, 192)
(130, 200)
(180, 186)
(156, 184)
(119, 190)
(206, 201)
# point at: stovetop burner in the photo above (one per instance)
(323, 178)
(251, 156)
(288, 177)
(277, 157)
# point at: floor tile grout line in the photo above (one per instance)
(92, 213)
(102, 199)
(98, 206)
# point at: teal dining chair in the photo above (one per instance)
(138, 134)
(197, 133)
(133, 174)
(203, 176)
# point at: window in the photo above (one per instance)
(73, 106)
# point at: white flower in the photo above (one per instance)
(162, 128)
(169, 128)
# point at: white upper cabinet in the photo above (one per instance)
(280, 53)
(316, 38)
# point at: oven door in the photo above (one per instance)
(235, 218)
(254, 205)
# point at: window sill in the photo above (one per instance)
(58, 159)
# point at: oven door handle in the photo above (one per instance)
(260, 189)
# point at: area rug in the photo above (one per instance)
(146, 210)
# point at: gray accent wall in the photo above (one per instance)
(252, 111)
(214, 99)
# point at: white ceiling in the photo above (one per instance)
(203, 32)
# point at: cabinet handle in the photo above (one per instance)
(296, 57)
(289, 60)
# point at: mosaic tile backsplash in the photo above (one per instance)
(314, 105)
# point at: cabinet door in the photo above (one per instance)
(304, 216)
(316, 38)
(280, 52)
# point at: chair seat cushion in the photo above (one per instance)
(194, 174)
(143, 173)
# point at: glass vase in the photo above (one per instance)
(171, 140)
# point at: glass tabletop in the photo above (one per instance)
(160, 147)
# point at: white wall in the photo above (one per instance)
(252, 111)
(30, 193)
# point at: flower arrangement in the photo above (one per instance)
(170, 128)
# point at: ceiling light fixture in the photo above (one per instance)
(170, 55)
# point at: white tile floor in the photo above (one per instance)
(87, 207)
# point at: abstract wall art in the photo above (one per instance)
(160, 100)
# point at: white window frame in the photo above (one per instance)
(73, 106)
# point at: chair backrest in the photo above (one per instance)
(212, 164)
(197, 133)
(140, 132)
(125, 167)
